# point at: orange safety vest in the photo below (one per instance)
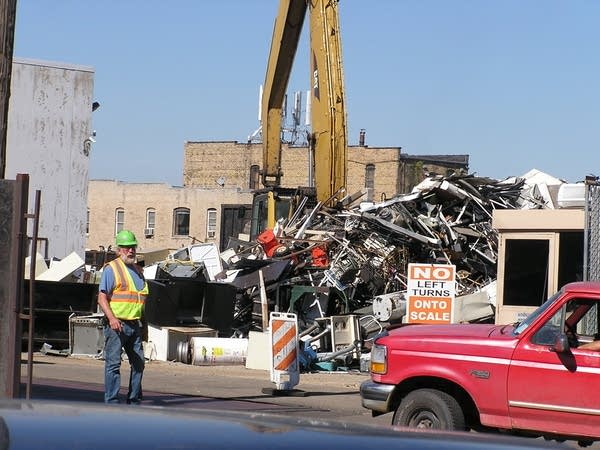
(126, 302)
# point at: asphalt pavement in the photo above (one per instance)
(324, 395)
(321, 395)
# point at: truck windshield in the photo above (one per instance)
(522, 326)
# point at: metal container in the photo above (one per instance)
(164, 341)
(86, 335)
(209, 351)
(389, 307)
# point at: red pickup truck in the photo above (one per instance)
(533, 377)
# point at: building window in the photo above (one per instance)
(211, 223)
(87, 222)
(254, 177)
(181, 222)
(370, 181)
(119, 220)
(150, 222)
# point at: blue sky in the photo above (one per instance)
(515, 84)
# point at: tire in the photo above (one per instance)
(430, 408)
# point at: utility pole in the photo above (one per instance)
(8, 12)
(12, 210)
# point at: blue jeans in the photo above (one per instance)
(129, 339)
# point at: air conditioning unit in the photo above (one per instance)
(149, 232)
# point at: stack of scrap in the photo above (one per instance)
(343, 258)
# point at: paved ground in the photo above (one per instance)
(325, 395)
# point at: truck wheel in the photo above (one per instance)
(429, 408)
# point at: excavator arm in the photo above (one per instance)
(328, 116)
(328, 112)
(286, 35)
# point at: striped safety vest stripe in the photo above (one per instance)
(127, 302)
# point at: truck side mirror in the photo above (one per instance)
(561, 345)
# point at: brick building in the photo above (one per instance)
(385, 170)
(161, 216)
(219, 178)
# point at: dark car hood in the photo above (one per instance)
(54, 425)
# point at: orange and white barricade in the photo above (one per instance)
(285, 371)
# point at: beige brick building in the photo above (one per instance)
(161, 216)
(386, 170)
(218, 181)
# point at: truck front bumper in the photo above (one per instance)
(376, 396)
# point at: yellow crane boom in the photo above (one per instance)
(328, 139)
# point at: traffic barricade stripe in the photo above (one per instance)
(284, 350)
(287, 362)
(283, 341)
(276, 325)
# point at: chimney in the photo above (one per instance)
(361, 137)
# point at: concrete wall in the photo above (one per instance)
(105, 196)
(49, 120)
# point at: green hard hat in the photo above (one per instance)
(125, 238)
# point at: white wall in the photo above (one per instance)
(49, 120)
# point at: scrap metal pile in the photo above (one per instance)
(339, 260)
(343, 269)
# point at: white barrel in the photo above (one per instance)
(211, 351)
(388, 307)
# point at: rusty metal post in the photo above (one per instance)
(31, 315)
(8, 11)
(13, 227)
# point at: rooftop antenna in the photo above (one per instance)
(297, 112)
(260, 94)
(256, 135)
(284, 109)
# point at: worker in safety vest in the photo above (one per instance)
(122, 293)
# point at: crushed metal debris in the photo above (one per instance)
(352, 259)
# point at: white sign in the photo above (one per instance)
(430, 293)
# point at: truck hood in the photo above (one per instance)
(453, 330)
(468, 339)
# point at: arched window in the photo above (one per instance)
(254, 177)
(119, 220)
(150, 222)
(211, 223)
(181, 222)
